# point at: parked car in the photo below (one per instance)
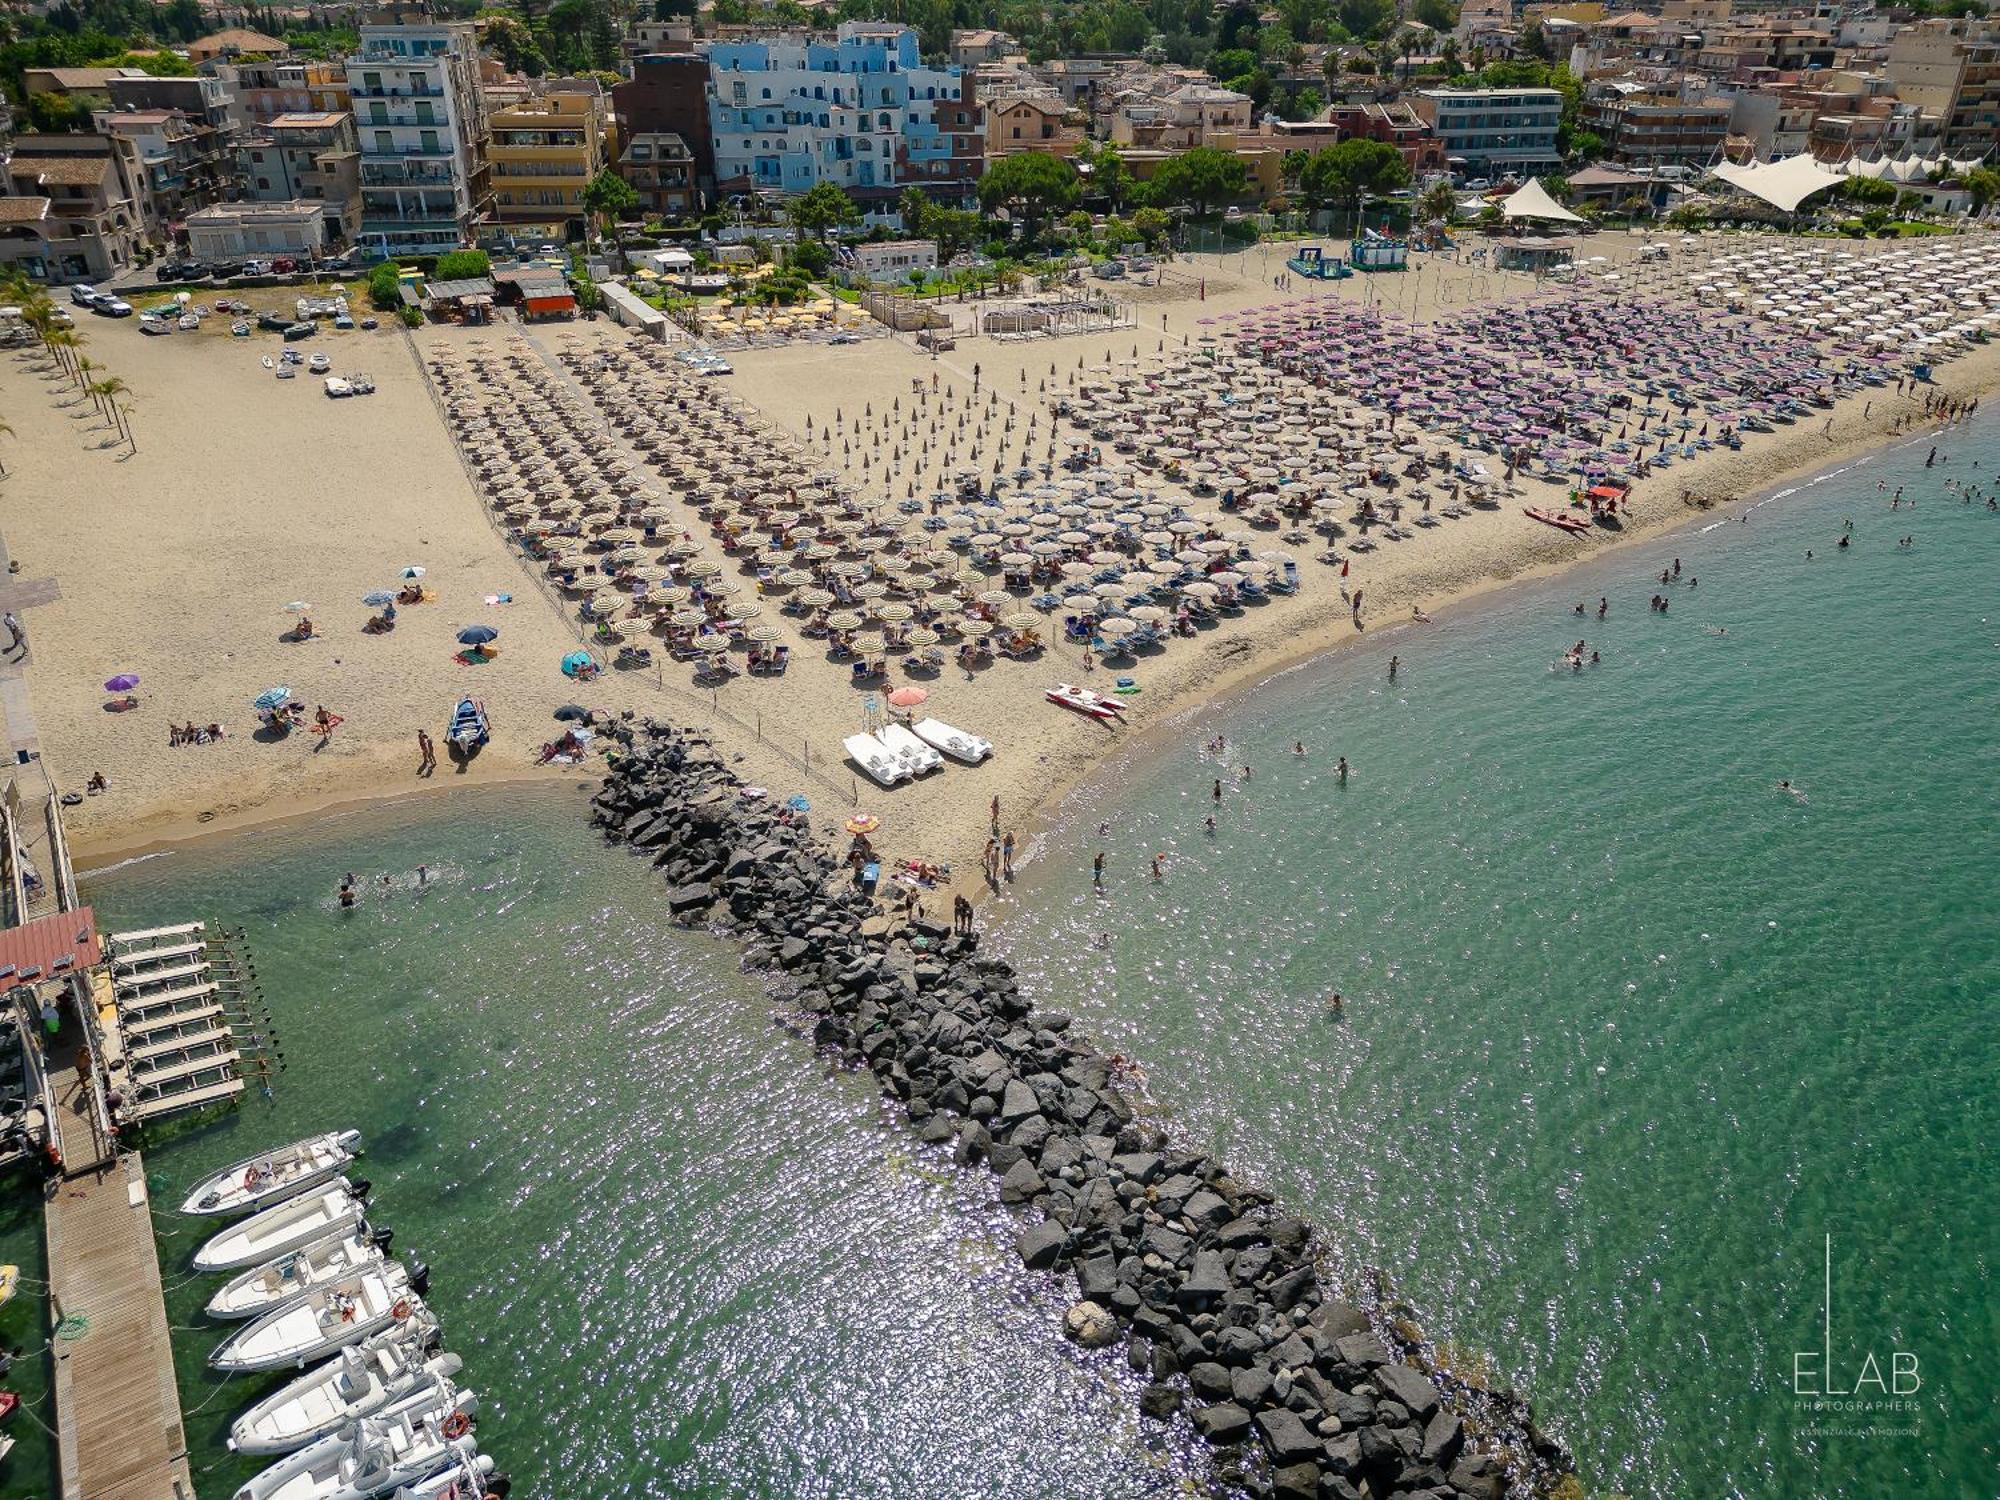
(284, 265)
(83, 294)
(256, 268)
(112, 307)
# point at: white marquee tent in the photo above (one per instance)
(1782, 184)
(1533, 202)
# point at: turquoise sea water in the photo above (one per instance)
(678, 1257)
(1630, 1033)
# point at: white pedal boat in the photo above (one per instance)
(291, 1225)
(873, 757)
(326, 1319)
(911, 751)
(956, 743)
(409, 1442)
(272, 1176)
(358, 1382)
(281, 1282)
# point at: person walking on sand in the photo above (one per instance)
(994, 813)
(1007, 855)
(427, 758)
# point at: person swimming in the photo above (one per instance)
(1797, 794)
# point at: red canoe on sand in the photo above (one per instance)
(1574, 525)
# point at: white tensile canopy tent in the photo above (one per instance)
(1782, 184)
(1533, 202)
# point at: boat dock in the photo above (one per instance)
(118, 1407)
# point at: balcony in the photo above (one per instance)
(402, 117)
(372, 153)
(392, 91)
(397, 174)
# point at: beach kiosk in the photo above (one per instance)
(1537, 255)
(1313, 263)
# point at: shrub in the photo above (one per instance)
(384, 286)
(463, 265)
(412, 317)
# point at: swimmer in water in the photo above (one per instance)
(1795, 793)
(1395, 662)
(1160, 865)
(1417, 614)
(1298, 747)
(1334, 1004)
(1208, 824)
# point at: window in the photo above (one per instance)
(385, 143)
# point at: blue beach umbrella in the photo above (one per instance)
(272, 698)
(477, 635)
(378, 597)
(577, 661)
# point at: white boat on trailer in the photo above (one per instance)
(407, 1443)
(359, 1381)
(272, 1176)
(326, 1319)
(956, 743)
(291, 1225)
(281, 1282)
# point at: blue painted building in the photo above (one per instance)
(861, 110)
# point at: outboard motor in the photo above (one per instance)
(382, 1238)
(363, 1187)
(420, 1278)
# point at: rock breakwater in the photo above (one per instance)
(1213, 1290)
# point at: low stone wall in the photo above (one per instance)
(1213, 1290)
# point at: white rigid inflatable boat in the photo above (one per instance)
(291, 1225)
(407, 1443)
(281, 1282)
(358, 1382)
(272, 1176)
(328, 1318)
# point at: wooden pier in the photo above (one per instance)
(118, 1406)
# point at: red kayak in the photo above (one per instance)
(1574, 525)
(1084, 701)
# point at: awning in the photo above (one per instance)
(562, 302)
(1782, 184)
(61, 943)
(1534, 202)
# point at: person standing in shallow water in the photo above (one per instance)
(1097, 871)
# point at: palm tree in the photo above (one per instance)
(84, 365)
(108, 390)
(61, 341)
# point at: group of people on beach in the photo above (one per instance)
(191, 733)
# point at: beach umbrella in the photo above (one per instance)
(413, 571)
(894, 614)
(1023, 621)
(575, 662)
(272, 698)
(714, 645)
(908, 697)
(297, 607)
(765, 634)
(378, 597)
(862, 822)
(845, 619)
(477, 635)
(922, 637)
(124, 682)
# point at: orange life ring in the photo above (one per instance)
(401, 1310)
(457, 1425)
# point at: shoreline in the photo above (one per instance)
(1193, 690)
(1240, 678)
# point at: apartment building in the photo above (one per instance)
(261, 91)
(71, 209)
(1030, 122)
(661, 169)
(861, 110)
(180, 168)
(1395, 124)
(421, 119)
(1196, 114)
(1951, 69)
(1494, 133)
(231, 232)
(667, 94)
(312, 156)
(543, 150)
(1642, 128)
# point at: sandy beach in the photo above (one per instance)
(247, 494)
